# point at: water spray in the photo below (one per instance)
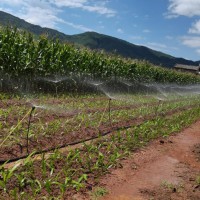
(56, 81)
(95, 83)
(29, 123)
(127, 83)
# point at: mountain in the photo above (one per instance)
(10, 20)
(95, 40)
(110, 44)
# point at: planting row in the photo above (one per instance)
(61, 175)
(51, 127)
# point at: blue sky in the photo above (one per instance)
(170, 26)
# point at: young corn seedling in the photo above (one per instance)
(36, 187)
(44, 166)
(6, 175)
(48, 184)
(22, 180)
(79, 184)
(63, 186)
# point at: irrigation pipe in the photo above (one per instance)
(16, 127)
(89, 139)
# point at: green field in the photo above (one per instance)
(68, 116)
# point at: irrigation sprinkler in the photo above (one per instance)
(29, 123)
(109, 102)
(127, 83)
(96, 84)
(55, 81)
(159, 103)
(56, 84)
(109, 111)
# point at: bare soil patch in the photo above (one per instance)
(165, 169)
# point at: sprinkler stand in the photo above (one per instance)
(159, 102)
(29, 123)
(109, 110)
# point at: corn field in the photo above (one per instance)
(74, 139)
(24, 57)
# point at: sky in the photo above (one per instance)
(170, 26)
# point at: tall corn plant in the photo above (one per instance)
(22, 55)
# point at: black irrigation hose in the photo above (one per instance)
(64, 145)
(88, 139)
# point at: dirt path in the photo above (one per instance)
(165, 169)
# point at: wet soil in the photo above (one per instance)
(166, 169)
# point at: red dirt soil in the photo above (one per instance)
(165, 169)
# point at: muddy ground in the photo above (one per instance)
(165, 169)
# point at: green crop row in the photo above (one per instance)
(56, 176)
(22, 55)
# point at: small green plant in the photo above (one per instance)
(79, 183)
(197, 180)
(98, 192)
(167, 185)
(6, 175)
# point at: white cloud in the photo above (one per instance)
(78, 26)
(95, 6)
(187, 8)
(198, 51)
(13, 2)
(36, 12)
(101, 10)
(45, 12)
(168, 37)
(146, 31)
(190, 41)
(195, 29)
(157, 45)
(87, 5)
(69, 3)
(44, 17)
(160, 47)
(8, 10)
(119, 30)
(47, 18)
